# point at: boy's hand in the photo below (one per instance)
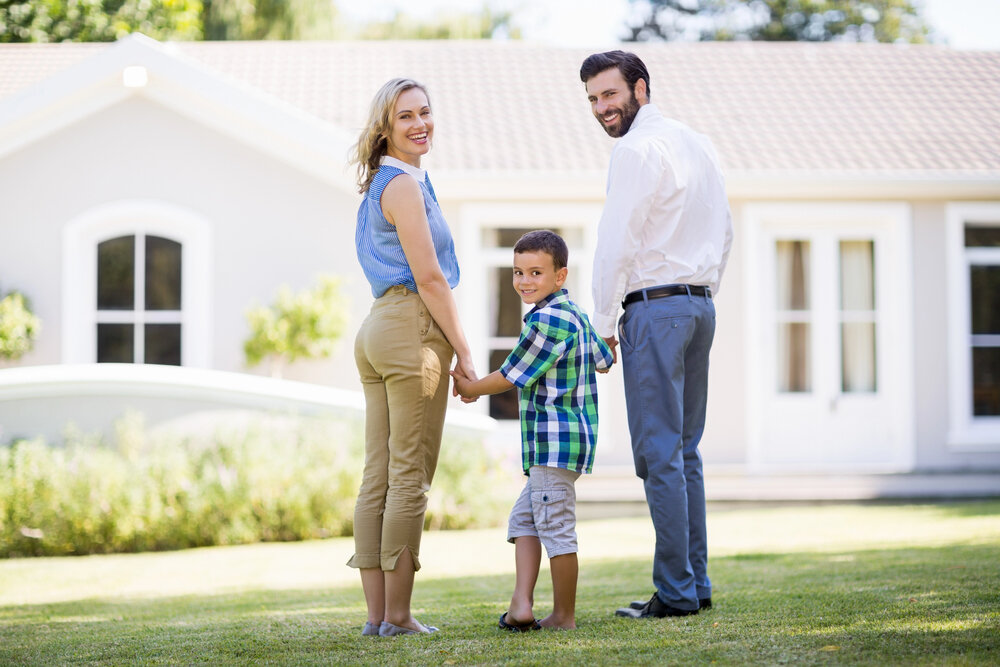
(465, 370)
(462, 386)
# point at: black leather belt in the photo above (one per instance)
(666, 290)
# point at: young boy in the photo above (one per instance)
(553, 365)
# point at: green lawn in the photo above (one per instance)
(832, 584)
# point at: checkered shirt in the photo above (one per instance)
(554, 367)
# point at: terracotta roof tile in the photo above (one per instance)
(514, 106)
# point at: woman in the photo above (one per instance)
(403, 349)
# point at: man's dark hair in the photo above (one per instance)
(629, 64)
(544, 241)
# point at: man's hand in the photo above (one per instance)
(613, 344)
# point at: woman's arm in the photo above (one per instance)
(403, 206)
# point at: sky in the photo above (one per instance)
(964, 24)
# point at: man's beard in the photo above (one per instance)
(626, 115)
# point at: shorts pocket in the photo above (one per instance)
(546, 507)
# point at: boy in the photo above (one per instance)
(553, 365)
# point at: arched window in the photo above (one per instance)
(136, 286)
(139, 279)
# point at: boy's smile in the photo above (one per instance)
(536, 277)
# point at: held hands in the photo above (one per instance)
(613, 344)
(464, 375)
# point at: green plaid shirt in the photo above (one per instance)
(554, 366)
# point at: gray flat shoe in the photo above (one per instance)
(370, 630)
(387, 629)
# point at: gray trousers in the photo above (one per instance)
(665, 344)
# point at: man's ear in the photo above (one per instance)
(640, 92)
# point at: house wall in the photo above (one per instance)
(271, 223)
(725, 440)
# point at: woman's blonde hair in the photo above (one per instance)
(372, 143)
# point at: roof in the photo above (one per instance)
(513, 106)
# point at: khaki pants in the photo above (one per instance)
(403, 358)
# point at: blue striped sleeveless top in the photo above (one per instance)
(379, 251)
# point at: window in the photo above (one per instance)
(974, 325)
(139, 300)
(983, 252)
(857, 316)
(137, 285)
(793, 317)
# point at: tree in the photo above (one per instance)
(777, 20)
(18, 326)
(483, 25)
(270, 19)
(297, 326)
(98, 20)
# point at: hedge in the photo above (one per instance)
(279, 480)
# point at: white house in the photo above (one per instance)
(150, 193)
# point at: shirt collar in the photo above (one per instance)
(559, 296)
(646, 111)
(415, 172)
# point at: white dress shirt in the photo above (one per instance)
(666, 218)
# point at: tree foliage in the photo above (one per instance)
(485, 24)
(98, 20)
(108, 20)
(777, 20)
(305, 325)
(19, 327)
(270, 19)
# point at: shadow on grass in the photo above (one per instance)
(969, 508)
(907, 605)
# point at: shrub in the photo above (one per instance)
(279, 480)
(305, 325)
(18, 326)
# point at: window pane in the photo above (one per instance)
(793, 275)
(857, 275)
(858, 357)
(507, 321)
(506, 238)
(163, 344)
(502, 406)
(163, 274)
(116, 274)
(982, 237)
(115, 343)
(984, 282)
(986, 381)
(793, 358)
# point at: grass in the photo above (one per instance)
(835, 584)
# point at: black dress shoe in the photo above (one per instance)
(654, 609)
(703, 603)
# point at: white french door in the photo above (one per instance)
(830, 338)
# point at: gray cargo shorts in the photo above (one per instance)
(546, 509)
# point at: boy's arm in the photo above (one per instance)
(494, 383)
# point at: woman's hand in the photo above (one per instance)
(464, 372)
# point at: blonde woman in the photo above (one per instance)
(403, 349)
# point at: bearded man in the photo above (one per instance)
(662, 245)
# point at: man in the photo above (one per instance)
(662, 245)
